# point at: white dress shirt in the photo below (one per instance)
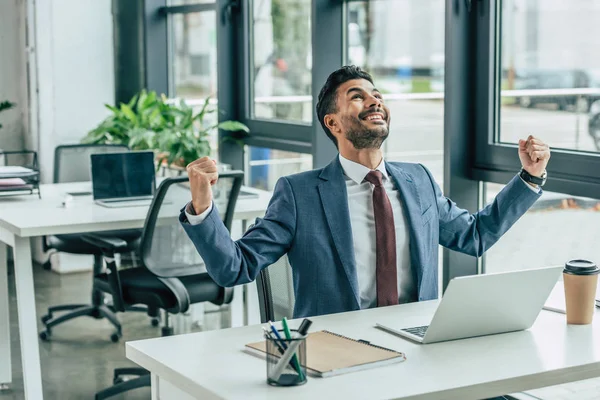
(362, 220)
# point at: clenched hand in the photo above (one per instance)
(202, 174)
(534, 155)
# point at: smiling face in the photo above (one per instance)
(361, 117)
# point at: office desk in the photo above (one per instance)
(23, 217)
(212, 365)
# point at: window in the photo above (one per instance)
(265, 166)
(193, 55)
(550, 76)
(281, 57)
(188, 2)
(401, 43)
(556, 229)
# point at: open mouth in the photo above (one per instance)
(375, 117)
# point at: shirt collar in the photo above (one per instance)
(357, 172)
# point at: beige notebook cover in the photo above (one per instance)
(329, 354)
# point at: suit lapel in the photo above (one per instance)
(334, 199)
(411, 205)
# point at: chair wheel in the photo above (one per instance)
(46, 318)
(47, 265)
(155, 322)
(45, 335)
(115, 337)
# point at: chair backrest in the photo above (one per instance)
(165, 248)
(72, 161)
(276, 291)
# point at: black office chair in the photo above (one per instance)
(72, 164)
(172, 275)
(276, 291)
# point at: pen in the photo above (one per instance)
(278, 344)
(285, 359)
(277, 335)
(288, 335)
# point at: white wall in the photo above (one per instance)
(13, 86)
(75, 71)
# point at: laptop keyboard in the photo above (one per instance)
(417, 330)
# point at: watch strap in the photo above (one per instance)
(536, 180)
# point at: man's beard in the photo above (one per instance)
(362, 137)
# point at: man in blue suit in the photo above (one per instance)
(361, 232)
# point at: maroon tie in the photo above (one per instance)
(385, 234)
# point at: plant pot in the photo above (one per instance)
(170, 171)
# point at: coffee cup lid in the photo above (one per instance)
(581, 267)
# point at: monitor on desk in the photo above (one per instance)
(123, 176)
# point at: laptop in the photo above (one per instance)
(485, 304)
(123, 179)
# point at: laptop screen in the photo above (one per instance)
(123, 175)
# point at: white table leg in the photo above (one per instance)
(154, 386)
(30, 352)
(5, 360)
(237, 307)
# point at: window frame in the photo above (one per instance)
(328, 38)
(295, 131)
(569, 171)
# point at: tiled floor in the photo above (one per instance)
(80, 358)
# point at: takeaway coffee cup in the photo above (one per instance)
(581, 280)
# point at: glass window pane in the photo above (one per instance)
(282, 55)
(266, 166)
(556, 229)
(187, 2)
(194, 55)
(550, 74)
(401, 44)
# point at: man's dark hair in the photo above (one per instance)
(327, 96)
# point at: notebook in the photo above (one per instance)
(330, 354)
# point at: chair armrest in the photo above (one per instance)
(107, 244)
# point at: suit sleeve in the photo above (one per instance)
(230, 262)
(474, 234)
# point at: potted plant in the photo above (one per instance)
(177, 133)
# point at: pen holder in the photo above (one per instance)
(286, 360)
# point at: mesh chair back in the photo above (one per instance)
(72, 161)
(166, 249)
(276, 291)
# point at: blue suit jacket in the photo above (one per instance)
(308, 219)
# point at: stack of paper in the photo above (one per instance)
(12, 171)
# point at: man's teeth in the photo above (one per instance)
(373, 117)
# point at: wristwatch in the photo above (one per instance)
(537, 180)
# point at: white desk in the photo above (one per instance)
(212, 365)
(23, 217)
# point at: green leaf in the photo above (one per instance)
(5, 105)
(233, 126)
(133, 100)
(115, 110)
(128, 113)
